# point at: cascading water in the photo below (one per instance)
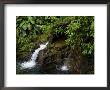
(32, 67)
(64, 68)
(31, 63)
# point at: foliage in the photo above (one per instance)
(78, 30)
(81, 31)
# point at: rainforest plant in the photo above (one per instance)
(77, 30)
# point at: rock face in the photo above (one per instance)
(58, 54)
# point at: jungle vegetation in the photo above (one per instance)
(78, 31)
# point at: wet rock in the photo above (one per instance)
(23, 56)
(75, 56)
(57, 55)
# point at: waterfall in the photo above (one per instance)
(64, 68)
(31, 63)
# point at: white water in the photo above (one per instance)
(64, 68)
(31, 63)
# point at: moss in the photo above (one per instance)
(42, 38)
(24, 50)
(27, 47)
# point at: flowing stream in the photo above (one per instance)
(32, 62)
(32, 67)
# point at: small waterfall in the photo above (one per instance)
(31, 63)
(64, 68)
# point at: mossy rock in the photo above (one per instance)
(42, 38)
